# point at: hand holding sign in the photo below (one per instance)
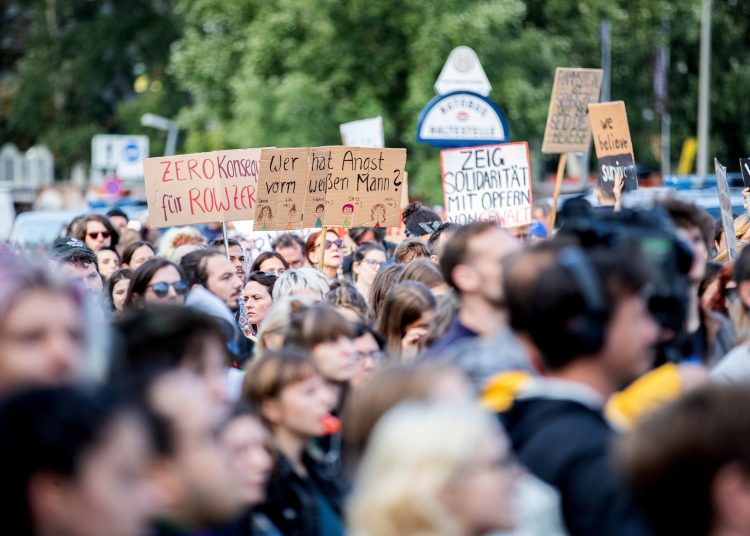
(614, 149)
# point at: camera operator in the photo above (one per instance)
(586, 315)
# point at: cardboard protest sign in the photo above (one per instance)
(614, 149)
(359, 187)
(745, 168)
(282, 182)
(488, 183)
(725, 203)
(318, 164)
(202, 187)
(568, 129)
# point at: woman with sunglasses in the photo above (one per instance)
(366, 261)
(157, 281)
(333, 252)
(97, 232)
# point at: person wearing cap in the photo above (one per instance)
(420, 221)
(78, 264)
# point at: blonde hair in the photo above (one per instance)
(305, 279)
(175, 237)
(723, 255)
(277, 319)
(416, 450)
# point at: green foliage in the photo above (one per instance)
(76, 66)
(287, 73)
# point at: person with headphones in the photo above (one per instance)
(585, 320)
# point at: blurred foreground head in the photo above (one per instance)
(41, 326)
(434, 469)
(688, 464)
(73, 463)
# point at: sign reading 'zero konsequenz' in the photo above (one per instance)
(202, 187)
(489, 183)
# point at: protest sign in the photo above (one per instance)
(488, 183)
(614, 149)
(280, 196)
(725, 203)
(745, 168)
(363, 133)
(568, 129)
(354, 186)
(219, 186)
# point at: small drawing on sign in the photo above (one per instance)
(264, 217)
(348, 210)
(318, 214)
(377, 213)
(292, 214)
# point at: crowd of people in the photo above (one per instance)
(467, 380)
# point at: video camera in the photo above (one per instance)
(651, 235)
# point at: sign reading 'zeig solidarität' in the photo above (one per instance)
(489, 183)
(202, 187)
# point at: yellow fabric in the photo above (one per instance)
(623, 408)
(501, 389)
(648, 392)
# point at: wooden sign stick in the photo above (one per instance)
(558, 185)
(323, 237)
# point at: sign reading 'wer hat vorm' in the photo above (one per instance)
(280, 189)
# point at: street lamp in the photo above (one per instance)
(162, 123)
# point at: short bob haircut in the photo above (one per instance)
(142, 278)
(269, 375)
(127, 253)
(315, 325)
(301, 281)
(263, 257)
(409, 462)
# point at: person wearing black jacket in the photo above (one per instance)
(302, 497)
(586, 316)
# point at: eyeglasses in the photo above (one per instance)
(95, 234)
(373, 262)
(161, 288)
(338, 243)
(377, 356)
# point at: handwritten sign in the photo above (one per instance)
(488, 183)
(363, 133)
(281, 189)
(202, 187)
(614, 149)
(356, 186)
(725, 203)
(568, 129)
(745, 168)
